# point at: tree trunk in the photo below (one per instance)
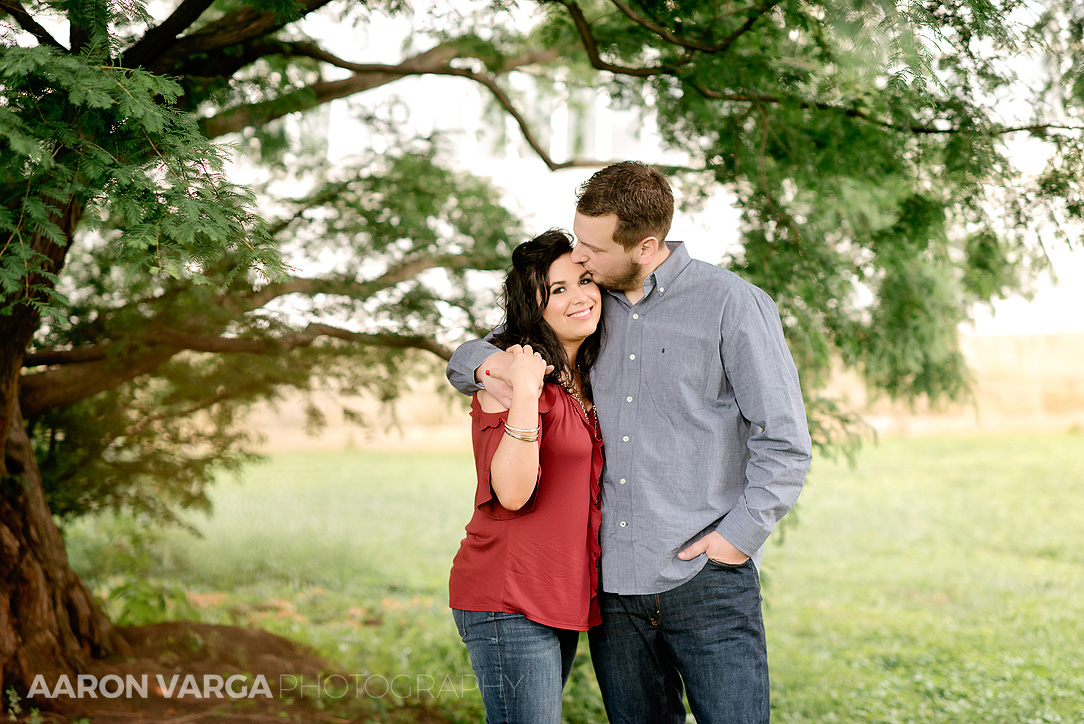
(50, 623)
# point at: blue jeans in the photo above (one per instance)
(522, 666)
(707, 634)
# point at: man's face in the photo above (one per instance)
(610, 265)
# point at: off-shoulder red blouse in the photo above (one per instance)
(540, 560)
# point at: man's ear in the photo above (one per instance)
(649, 248)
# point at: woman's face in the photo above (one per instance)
(575, 301)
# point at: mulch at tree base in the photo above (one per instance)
(169, 655)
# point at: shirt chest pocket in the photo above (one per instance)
(679, 379)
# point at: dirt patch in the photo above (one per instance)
(209, 674)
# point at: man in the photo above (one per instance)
(706, 448)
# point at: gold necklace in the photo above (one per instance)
(571, 390)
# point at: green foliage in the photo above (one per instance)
(128, 556)
(138, 601)
(14, 705)
(863, 143)
(153, 444)
(80, 137)
(392, 212)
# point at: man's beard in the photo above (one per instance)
(627, 280)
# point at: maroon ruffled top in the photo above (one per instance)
(540, 560)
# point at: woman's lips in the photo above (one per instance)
(582, 314)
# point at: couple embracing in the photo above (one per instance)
(681, 368)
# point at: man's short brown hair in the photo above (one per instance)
(637, 194)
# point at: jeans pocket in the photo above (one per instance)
(732, 566)
(460, 622)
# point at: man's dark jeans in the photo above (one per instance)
(707, 633)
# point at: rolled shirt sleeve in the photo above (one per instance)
(465, 360)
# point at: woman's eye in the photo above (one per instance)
(557, 290)
(587, 280)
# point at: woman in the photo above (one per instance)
(524, 582)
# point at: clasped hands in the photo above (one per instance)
(502, 371)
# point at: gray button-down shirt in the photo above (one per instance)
(702, 418)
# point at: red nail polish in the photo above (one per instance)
(487, 372)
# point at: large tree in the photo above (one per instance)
(144, 304)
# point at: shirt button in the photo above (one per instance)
(632, 356)
(624, 524)
(636, 316)
(622, 481)
(628, 399)
(662, 289)
(625, 439)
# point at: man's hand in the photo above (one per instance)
(500, 389)
(718, 549)
(490, 373)
(526, 373)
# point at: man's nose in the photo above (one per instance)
(577, 254)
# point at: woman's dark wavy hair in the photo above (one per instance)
(526, 283)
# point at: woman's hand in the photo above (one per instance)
(527, 371)
(514, 469)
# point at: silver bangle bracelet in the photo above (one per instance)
(523, 430)
(524, 438)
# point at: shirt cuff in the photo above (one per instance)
(465, 361)
(742, 531)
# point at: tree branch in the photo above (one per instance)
(756, 10)
(396, 274)
(159, 38)
(239, 345)
(76, 374)
(371, 75)
(404, 271)
(755, 14)
(366, 77)
(66, 385)
(27, 22)
(236, 27)
(865, 116)
(589, 45)
(446, 51)
(1038, 128)
(525, 128)
(52, 357)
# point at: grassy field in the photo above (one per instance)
(941, 580)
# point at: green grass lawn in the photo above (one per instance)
(941, 580)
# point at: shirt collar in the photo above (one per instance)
(670, 269)
(664, 275)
